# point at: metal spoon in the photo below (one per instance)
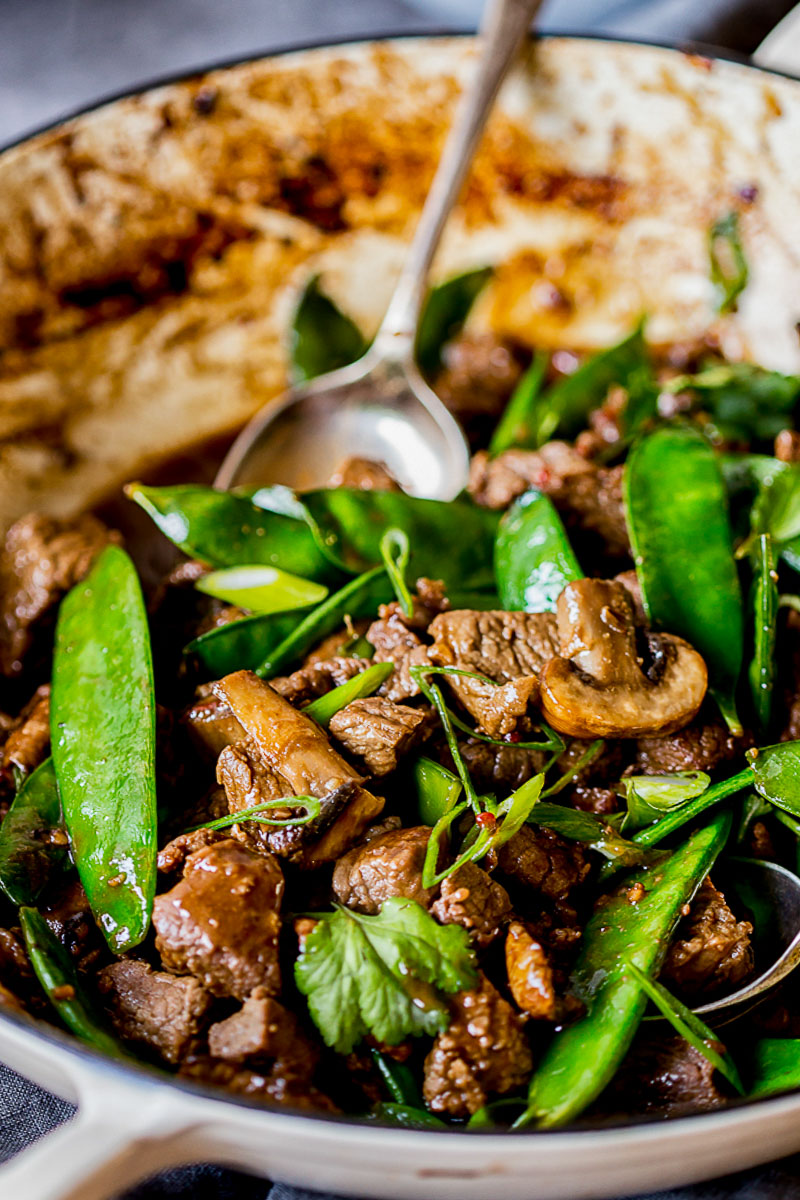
(772, 894)
(380, 408)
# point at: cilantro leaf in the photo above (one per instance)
(382, 974)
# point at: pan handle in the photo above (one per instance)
(119, 1136)
(780, 50)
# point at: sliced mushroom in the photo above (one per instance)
(598, 686)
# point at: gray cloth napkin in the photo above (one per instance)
(55, 57)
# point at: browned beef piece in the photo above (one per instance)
(544, 861)
(379, 732)
(787, 446)
(160, 1012)
(703, 745)
(478, 375)
(305, 685)
(588, 497)
(663, 1074)
(389, 865)
(493, 767)
(70, 918)
(211, 724)
(293, 747)
(606, 767)
(365, 475)
(394, 642)
(482, 1053)
(331, 646)
(605, 424)
(711, 951)
(28, 742)
(173, 856)
(17, 979)
(530, 976)
(507, 647)
(221, 922)
(248, 781)
(263, 1031)
(471, 898)
(41, 561)
(266, 1084)
(594, 799)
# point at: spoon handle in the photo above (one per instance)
(504, 25)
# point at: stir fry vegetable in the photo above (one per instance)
(427, 777)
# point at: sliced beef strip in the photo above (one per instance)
(317, 679)
(211, 724)
(41, 560)
(296, 749)
(787, 446)
(482, 1053)
(543, 861)
(588, 497)
(703, 745)
(479, 373)
(662, 1074)
(70, 918)
(221, 922)
(389, 865)
(28, 742)
(711, 951)
(17, 980)
(494, 767)
(364, 475)
(401, 640)
(530, 976)
(331, 646)
(160, 1012)
(172, 857)
(378, 733)
(248, 781)
(507, 647)
(471, 898)
(598, 800)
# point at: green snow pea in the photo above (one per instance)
(242, 645)
(587, 827)
(103, 726)
(775, 1066)
(406, 1116)
(225, 529)
(683, 550)
(29, 857)
(533, 560)
(359, 597)
(365, 684)
(517, 425)
(446, 309)
(776, 775)
(399, 1080)
(56, 973)
(747, 403)
(582, 1059)
(764, 610)
(650, 796)
(564, 408)
(322, 337)
(451, 541)
(438, 790)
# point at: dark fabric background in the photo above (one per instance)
(58, 54)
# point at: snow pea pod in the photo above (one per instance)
(56, 973)
(764, 608)
(516, 427)
(582, 1059)
(683, 549)
(225, 529)
(242, 645)
(323, 338)
(29, 857)
(533, 560)
(776, 775)
(446, 309)
(358, 598)
(438, 790)
(104, 739)
(450, 541)
(775, 1066)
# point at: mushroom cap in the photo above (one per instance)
(597, 686)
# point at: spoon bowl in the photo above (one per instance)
(771, 894)
(378, 409)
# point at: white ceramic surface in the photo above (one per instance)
(133, 1121)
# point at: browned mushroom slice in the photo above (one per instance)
(598, 686)
(297, 749)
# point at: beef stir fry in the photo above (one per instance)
(410, 810)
